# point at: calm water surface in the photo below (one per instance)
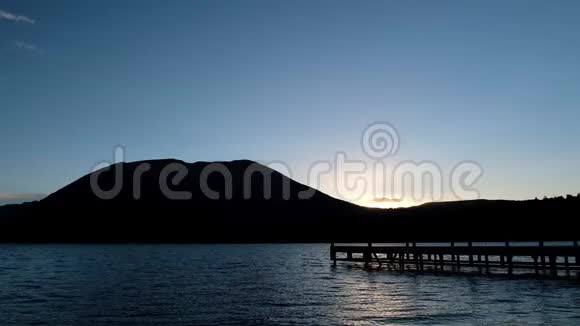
(253, 285)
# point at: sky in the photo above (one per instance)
(492, 82)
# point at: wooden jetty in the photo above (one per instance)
(509, 257)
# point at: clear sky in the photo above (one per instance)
(496, 82)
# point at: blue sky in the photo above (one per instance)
(495, 82)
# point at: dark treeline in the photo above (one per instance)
(560, 198)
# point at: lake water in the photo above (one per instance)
(253, 285)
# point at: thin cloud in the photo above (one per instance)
(386, 200)
(18, 198)
(27, 47)
(16, 18)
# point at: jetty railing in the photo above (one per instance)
(538, 257)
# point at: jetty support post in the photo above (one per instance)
(487, 263)
(510, 260)
(536, 267)
(402, 261)
(421, 264)
(553, 266)
(377, 259)
(576, 258)
(333, 253)
(367, 255)
(453, 255)
(415, 256)
(470, 245)
(542, 257)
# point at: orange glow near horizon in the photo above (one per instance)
(387, 203)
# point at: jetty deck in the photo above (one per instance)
(509, 257)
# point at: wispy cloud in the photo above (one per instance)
(386, 200)
(16, 18)
(27, 47)
(18, 198)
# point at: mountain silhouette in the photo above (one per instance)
(255, 204)
(243, 201)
